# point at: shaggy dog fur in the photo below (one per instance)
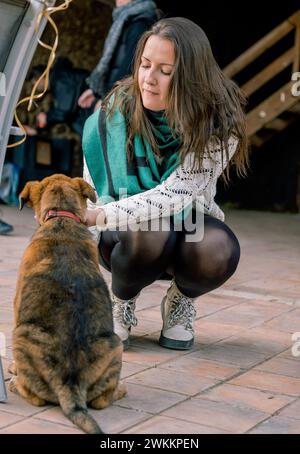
(64, 347)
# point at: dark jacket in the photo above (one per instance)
(121, 63)
(66, 85)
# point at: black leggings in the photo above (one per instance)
(138, 258)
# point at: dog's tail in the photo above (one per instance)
(74, 407)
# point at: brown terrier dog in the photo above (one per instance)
(64, 347)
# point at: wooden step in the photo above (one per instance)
(267, 116)
(271, 129)
(271, 108)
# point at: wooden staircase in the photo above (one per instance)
(280, 108)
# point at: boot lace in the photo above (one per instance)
(182, 312)
(123, 311)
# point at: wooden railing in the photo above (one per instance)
(265, 115)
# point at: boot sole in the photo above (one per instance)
(6, 232)
(175, 344)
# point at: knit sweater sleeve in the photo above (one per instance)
(178, 191)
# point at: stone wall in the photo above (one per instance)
(82, 31)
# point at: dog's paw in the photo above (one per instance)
(120, 392)
(12, 385)
(12, 368)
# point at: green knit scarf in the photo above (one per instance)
(104, 146)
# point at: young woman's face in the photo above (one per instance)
(155, 72)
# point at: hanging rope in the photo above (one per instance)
(46, 12)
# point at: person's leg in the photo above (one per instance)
(203, 266)
(199, 267)
(135, 259)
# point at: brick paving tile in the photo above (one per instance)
(209, 304)
(129, 369)
(201, 367)
(288, 355)
(145, 327)
(165, 425)
(269, 382)
(237, 355)
(249, 314)
(237, 327)
(291, 293)
(281, 366)
(116, 419)
(6, 315)
(172, 380)
(147, 302)
(247, 397)
(7, 419)
(138, 353)
(278, 425)
(6, 301)
(217, 414)
(262, 340)
(296, 288)
(272, 284)
(292, 410)
(208, 332)
(38, 426)
(153, 314)
(113, 419)
(8, 281)
(289, 271)
(289, 322)
(6, 267)
(17, 405)
(148, 399)
(151, 296)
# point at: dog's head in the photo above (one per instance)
(57, 192)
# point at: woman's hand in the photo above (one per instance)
(86, 99)
(41, 120)
(30, 131)
(95, 217)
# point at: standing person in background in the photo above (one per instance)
(65, 85)
(131, 18)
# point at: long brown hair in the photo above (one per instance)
(203, 105)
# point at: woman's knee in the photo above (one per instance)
(214, 258)
(225, 255)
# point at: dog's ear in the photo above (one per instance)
(26, 194)
(86, 189)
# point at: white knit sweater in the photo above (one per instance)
(183, 187)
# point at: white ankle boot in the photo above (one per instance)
(178, 314)
(123, 317)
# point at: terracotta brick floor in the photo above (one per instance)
(240, 376)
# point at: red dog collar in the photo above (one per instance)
(61, 213)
